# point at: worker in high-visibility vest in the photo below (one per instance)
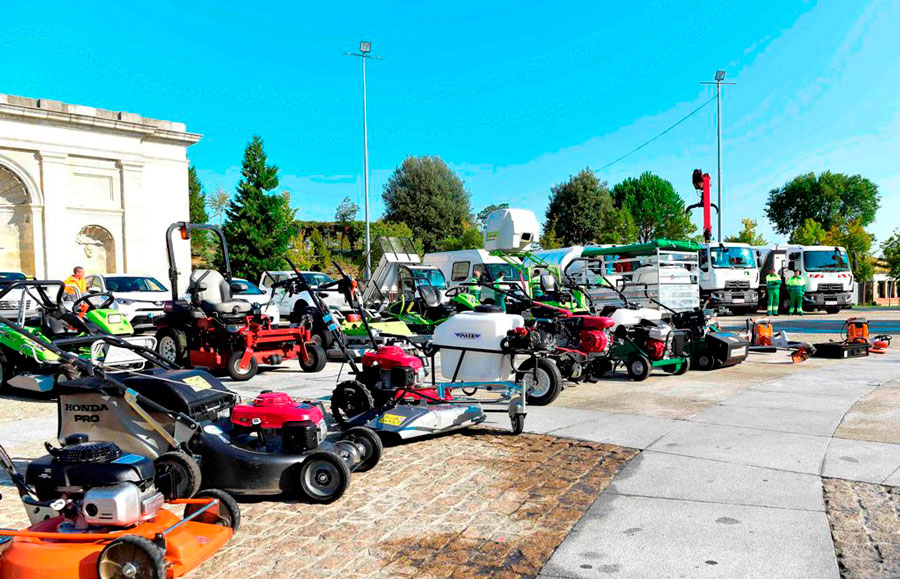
(773, 289)
(75, 285)
(796, 287)
(474, 288)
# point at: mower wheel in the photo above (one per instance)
(225, 514)
(350, 398)
(638, 368)
(324, 476)
(518, 423)
(316, 358)
(684, 367)
(371, 446)
(179, 475)
(705, 362)
(3, 370)
(548, 382)
(237, 373)
(171, 344)
(131, 557)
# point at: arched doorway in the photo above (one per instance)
(16, 226)
(99, 249)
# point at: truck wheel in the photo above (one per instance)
(316, 358)
(178, 475)
(548, 382)
(638, 368)
(324, 477)
(225, 514)
(832, 309)
(171, 344)
(370, 444)
(238, 374)
(131, 556)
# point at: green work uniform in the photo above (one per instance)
(499, 297)
(475, 288)
(796, 286)
(773, 288)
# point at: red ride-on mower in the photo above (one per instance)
(216, 331)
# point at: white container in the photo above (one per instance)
(629, 317)
(510, 230)
(483, 331)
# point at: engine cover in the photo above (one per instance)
(655, 349)
(274, 409)
(119, 505)
(386, 357)
(593, 341)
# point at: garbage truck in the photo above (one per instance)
(826, 269)
(729, 276)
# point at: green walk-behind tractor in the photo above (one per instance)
(27, 364)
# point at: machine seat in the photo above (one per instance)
(214, 295)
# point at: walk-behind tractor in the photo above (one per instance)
(214, 330)
(96, 512)
(184, 420)
(28, 365)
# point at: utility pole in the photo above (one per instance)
(364, 48)
(720, 76)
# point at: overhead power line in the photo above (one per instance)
(635, 150)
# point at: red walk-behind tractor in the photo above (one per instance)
(213, 330)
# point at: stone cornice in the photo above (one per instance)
(24, 108)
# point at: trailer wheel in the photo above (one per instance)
(324, 477)
(349, 399)
(171, 344)
(370, 444)
(178, 475)
(518, 423)
(316, 358)
(225, 514)
(548, 384)
(238, 374)
(684, 367)
(705, 362)
(638, 368)
(130, 557)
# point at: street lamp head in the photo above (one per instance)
(720, 75)
(365, 46)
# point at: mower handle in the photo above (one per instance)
(41, 286)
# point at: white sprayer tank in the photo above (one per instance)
(632, 317)
(483, 331)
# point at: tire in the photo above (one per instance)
(225, 514)
(317, 358)
(638, 368)
(324, 477)
(178, 475)
(3, 370)
(832, 310)
(349, 399)
(369, 442)
(131, 557)
(171, 344)
(705, 362)
(603, 368)
(548, 385)
(233, 367)
(517, 423)
(785, 306)
(683, 369)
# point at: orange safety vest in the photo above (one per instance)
(78, 283)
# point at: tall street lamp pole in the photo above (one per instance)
(364, 48)
(720, 76)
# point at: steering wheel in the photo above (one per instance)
(456, 290)
(90, 306)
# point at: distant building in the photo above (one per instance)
(87, 186)
(884, 290)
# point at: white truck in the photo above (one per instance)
(826, 268)
(460, 266)
(729, 274)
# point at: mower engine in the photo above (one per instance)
(301, 425)
(655, 340)
(391, 368)
(94, 484)
(594, 337)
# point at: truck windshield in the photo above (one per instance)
(732, 257)
(825, 260)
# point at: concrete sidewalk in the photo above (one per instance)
(733, 491)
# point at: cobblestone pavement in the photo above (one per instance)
(463, 505)
(865, 526)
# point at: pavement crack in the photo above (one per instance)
(706, 502)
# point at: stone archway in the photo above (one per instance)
(99, 249)
(16, 225)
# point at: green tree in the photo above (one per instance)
(890, 252)
(201, 248)
(657, 209)
(858, 243)
(829, 199)
(218, 203)
(748, 234)
(425, 194)
(321, 257)
(581, 210)
(472, 238)
(810, 233)
(344, 215)
(260, 226)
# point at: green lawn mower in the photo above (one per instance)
(25, 364)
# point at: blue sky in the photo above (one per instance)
(515, 96)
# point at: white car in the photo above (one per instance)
(11, 302)
(139, 297)
(285, 303)
(242, 289)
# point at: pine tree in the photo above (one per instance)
(201, 248)
(259, 226)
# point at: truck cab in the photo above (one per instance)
(826, 268)
(729, 275)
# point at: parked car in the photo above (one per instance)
(139, 297)
(245, 290)
(10, 303)
(285, 302)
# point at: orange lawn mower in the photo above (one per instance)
(215, 330)
(96, 512)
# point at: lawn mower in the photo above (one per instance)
(184, 420)
(30, 366)
(213, 330)
(95, 511)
